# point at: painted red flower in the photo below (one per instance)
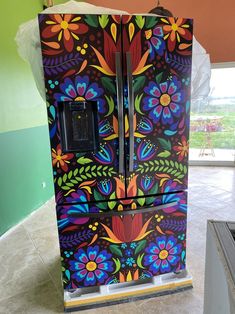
(174, 29)
(127, 228)
(66, 27)
(60, 160)
(182, 149)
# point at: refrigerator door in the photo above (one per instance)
(82, 64)
(114, 247)
(157, 55)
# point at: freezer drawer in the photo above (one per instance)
(114, 247)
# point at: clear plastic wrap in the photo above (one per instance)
(29, 48)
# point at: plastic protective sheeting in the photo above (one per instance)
(29, 48)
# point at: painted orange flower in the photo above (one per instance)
(131, 189)
(174, 29)
(182, 149)
(127, 228)
(66, 27)
(60, 160)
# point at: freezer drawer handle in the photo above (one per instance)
(119, 87)
(143, 210)
(131, 110)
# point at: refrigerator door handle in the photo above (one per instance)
(130, 110)
(119, 87)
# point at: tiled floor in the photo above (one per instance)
(29, 255)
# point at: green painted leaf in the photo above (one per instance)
(139, 261)
(110, 103)
(91, 20)
(94, 174)
(83, 160)
(139, 82)
(159, 77)
(103, 20)
(70, 184)
(150, 21)
(66, 188)
(164, 154)
(112, 204)
(99, 173)
(70, 174)
(115, 250)
(59, 182)
(140, 246)
(81, 170)
(102, 206)
(185, 169)
(141, 200)
(65, 177)
(89, 175)
(98, 196)
(78, 179)
(75, 172)
(74, 181)
(109, 86)
(83, 176)
(87, 168)
(140, 20)
(154, 189)
(162, 162)
(137, 103)
(166, 144)
(117, 264)
(93, 167)
(181, 176)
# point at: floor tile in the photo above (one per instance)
(21, 266)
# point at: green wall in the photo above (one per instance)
(24, 145)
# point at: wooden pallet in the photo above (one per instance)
(92, 297)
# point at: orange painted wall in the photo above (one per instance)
(214, 21)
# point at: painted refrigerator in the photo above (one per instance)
(118, 100)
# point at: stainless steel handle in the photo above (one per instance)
(145, 209)
(119, 87)
(130, 110)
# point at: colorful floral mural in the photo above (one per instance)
(101, 241)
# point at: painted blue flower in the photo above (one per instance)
(105, 186)
(146, 182)
(105, 155)
(130, 261)
(156, 41)
(71, 214)
(128, 252)
(123, 245)
(133, 245)
(179, 199)
(81, 90)
(164, 100)
(145, 126)
(146, 150)
(105, 129)
(163, 256)
(91, 266)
